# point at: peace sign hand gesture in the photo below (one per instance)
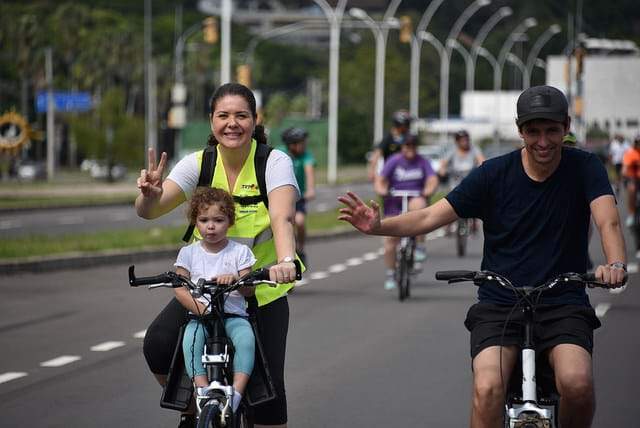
(150, 181)
(361, 216)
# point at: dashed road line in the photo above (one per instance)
(370, 256)
(140, 334)
(61, 361)
(337, 268)
(107, 346)
(602, 308)
(354, 261)
(632, 268)
(9, 376)
(318, 275)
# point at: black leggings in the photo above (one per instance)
(273, 319)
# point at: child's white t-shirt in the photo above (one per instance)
(230, 260)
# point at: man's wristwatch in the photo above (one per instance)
(618, 265)
(289, 259)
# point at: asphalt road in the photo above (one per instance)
(90, 219)
(356, 357)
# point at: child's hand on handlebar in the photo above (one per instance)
(226, 279)
(613, 275)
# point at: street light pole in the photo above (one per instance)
(334, 16)
(506, 48)
(502, 13)
(380, 32)
(225, 41)
(444, 64)
(513, 59)
(537, 47)
(465, 55)
(416, 45)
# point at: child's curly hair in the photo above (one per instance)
(204, 197)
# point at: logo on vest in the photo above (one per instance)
(249, 187)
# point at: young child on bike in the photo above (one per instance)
(216, 257)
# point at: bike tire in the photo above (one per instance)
(209, 417)
(461, 239)
(403, 275)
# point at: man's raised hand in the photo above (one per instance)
(361, 216)
(150, 180)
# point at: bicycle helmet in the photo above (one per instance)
(461, 134)
(401, 118)
(294, 135)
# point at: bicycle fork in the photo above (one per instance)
(529, 414)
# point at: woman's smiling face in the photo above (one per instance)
(232, 123)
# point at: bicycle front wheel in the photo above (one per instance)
(461, 237)
(403, 274)
(210, 417)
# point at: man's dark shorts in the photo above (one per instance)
(554, 325)
(301, 206)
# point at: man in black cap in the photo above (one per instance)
(535, 205)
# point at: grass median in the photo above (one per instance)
(129, 239)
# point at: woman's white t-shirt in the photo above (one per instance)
(230, 260)
(279, 172)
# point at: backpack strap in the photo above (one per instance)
(207, 167)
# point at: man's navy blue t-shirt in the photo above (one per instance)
(533, 231)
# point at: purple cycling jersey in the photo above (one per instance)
(404, 174)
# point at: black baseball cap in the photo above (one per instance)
(542, 102)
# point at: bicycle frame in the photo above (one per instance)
(529, 410)
(405, 250)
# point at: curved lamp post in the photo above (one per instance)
(416, 45)
(506, 48)
(536, 48)
(513, 59)
(465, 54)
(334, 16)
(444, 63)
(380, 32)
(502, 13)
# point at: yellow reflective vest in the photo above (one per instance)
(253, 225)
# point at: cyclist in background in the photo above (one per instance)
(459, 162)
(617, 148)
(304, 165)
(406, 170)
(631, 174)
(390, 144)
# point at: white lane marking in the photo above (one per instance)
(601, 309)
(370, 256)
(140, 334)
(318, 275)
(381, 251)
(618, 290)
(9, 376)
(337, 268)
(322, 207)
(120, 217)
(10, 224)
(68, 220)
(61, 361)
(632, 268)
(107, 346)
(354, 261)
(438, 233)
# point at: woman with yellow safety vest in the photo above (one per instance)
(268, 231)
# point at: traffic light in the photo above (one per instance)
(210, 30)
(243, 75)
(406, 29)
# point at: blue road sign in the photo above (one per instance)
(65, 101)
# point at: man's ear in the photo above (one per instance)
(567, 125)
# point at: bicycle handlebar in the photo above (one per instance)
(174, 280)
(404, 193)
(477, 277)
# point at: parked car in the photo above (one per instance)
(99, 171)
(32, 170)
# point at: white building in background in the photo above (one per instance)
(611, 90)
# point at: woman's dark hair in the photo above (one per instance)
(244, 92)
(204, 197)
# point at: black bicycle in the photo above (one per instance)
(533, 403)
(405, 252)
(213, 403)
